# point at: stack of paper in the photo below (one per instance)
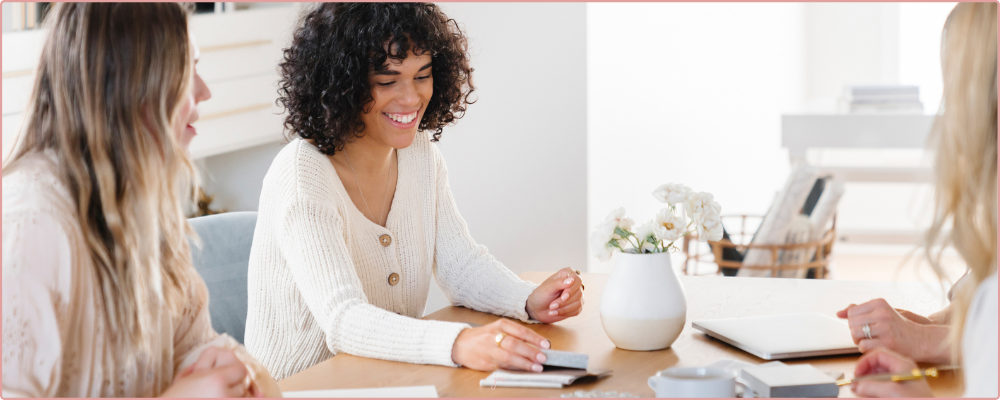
(552, 379)
(781, 380)
(882, 99)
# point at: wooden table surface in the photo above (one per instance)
(707, 296)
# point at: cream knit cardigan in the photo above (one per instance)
(319, 278)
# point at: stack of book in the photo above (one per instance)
(881, 99)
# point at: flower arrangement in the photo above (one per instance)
(701, 213)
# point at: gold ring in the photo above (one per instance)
(499, 338)
(578, 272)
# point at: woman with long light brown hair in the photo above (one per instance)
(965, 139)
(99, 295)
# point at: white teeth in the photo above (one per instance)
(402, 118)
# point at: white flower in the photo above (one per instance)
(672, 193)
(668, 226)
(626, 225)
(599, 244)
(643, 233)
(604, 233)
(701, 203)
(709, 227)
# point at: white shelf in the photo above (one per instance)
(240, 52)
(799, 133)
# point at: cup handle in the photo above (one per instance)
(747, 392)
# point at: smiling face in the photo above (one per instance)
(187, 113)
(400, 95)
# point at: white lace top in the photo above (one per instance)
(324, 279)
(55, 340)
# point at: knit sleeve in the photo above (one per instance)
(468, 275)
(193, 334)
(36, 260)
(312, 242)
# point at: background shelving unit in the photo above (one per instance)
(805, 132)
(240, 49)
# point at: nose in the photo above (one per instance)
(201, 92)
(408, 94)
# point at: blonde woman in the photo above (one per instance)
(99, 295)
(966, 197)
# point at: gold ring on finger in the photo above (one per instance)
(499, 338)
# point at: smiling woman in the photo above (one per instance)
(368, 87)
(367, 38)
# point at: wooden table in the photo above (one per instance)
(708, 297)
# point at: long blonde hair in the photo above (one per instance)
(108, 86)
(965, 139)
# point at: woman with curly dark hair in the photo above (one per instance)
(367, 88)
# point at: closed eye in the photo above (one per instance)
(385, 83)
(420, 78)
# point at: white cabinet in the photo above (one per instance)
(240, 52)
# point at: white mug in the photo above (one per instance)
(693, 382)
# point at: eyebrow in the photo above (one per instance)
(391, 72)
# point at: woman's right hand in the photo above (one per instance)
(476, 348)
(882, 361)
(217, 373)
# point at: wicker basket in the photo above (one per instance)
(695, 254)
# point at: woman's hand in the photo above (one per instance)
(901, 331)
(217, 373)
(476, 348)
(558, 298)
(882, 361)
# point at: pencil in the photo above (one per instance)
(916, 373)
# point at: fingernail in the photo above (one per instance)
(565, 296)
(536, 368)
(568, 281)
(553, 312)
(546, 344)
(540, 357)
(553, 306)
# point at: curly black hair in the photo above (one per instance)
(325, 73)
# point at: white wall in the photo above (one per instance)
(848, 44)
(517, 161)
(690, 93)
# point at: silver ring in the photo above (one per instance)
(867, 330)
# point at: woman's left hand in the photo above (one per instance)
(558, 298)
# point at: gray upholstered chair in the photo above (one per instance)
(222, 262)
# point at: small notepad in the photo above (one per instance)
(551, 379)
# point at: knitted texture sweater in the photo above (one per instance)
(323, 279)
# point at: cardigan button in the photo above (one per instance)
(386, 240)
(393, 279)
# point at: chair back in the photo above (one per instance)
(222, 261)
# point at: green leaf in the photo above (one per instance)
(622, 233)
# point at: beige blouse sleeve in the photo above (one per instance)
(194, 334)
(36, 276)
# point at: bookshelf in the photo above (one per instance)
(803, 132)
(240, 49)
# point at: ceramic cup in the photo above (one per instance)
(693, 382)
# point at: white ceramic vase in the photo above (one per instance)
(643, 306)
